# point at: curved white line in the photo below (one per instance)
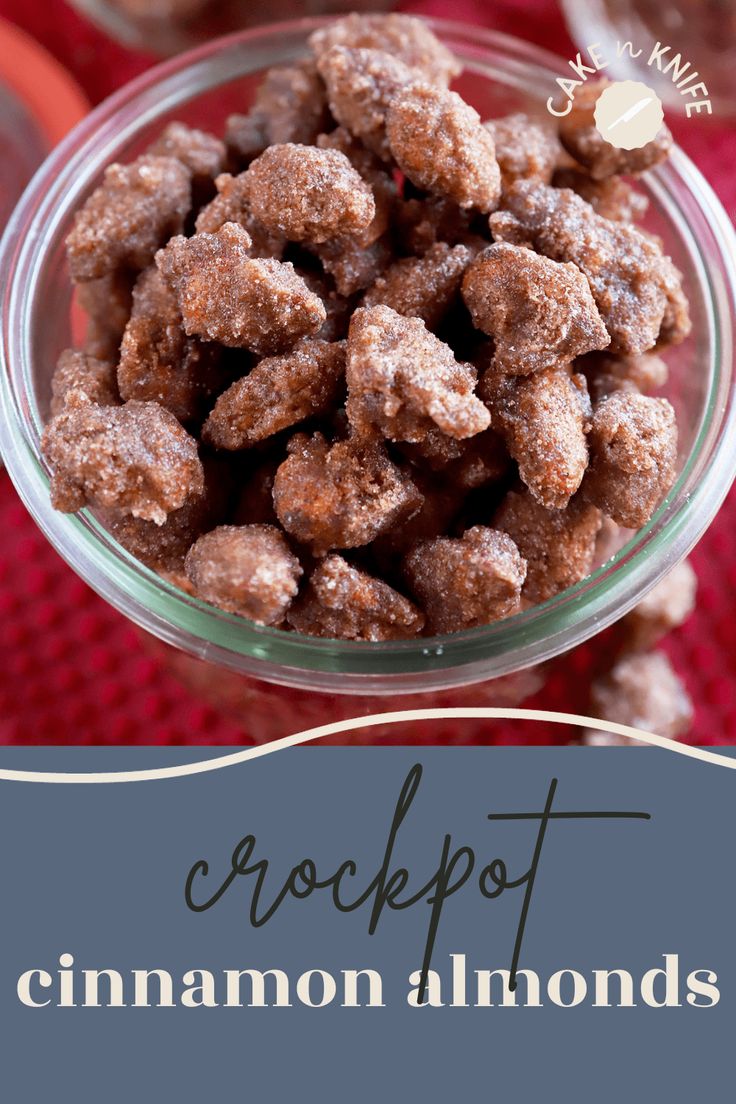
(470, 713)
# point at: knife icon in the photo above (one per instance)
(632, 111)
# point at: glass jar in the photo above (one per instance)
(702, 31)
(170, 26)
(247, 667)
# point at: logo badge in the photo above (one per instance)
(628, 114)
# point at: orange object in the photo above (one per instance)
(43, 86)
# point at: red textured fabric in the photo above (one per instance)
(74, 671)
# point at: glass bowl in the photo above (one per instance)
(501, 75)
(167, 27)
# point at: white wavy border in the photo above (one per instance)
(470, 713)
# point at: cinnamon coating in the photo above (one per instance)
(606, 373)
(526, 149)
(158, 361)
(279, 392)
(613, 198)
(341, 495)
(559, 546)
(434, 518)
(630, 278)
(422, 223)
(353, 265)
(291, 101)
(539, 312)
(422, 287)
(484, 459)
(225, 295)
(164, 547)
(404, 37)
(231, 204)
(308, 194)
(676, 322)
(463, 465)
(202, 153)
(360, 87)
(133, 212)
(633, 453)
(107, 302)
(342, 602)
(466, 582)
(245, 137)
(544, 419)
(355, 260)
(405, 381)
(338, 307)
(376, 176)
(135, 458)
(100, 342)
(245, 569)
(441, 145)
(79, 371)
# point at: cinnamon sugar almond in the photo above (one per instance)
(439, 142)
(135, 458)
(341, 495)
(279, 392)
(404, 381)
(133, 212)
(539, 312)
(248, 570)
(465, 582)
(227, 296)
(343, 602)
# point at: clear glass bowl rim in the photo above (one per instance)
(288, 658)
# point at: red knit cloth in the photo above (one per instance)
(73, 670)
